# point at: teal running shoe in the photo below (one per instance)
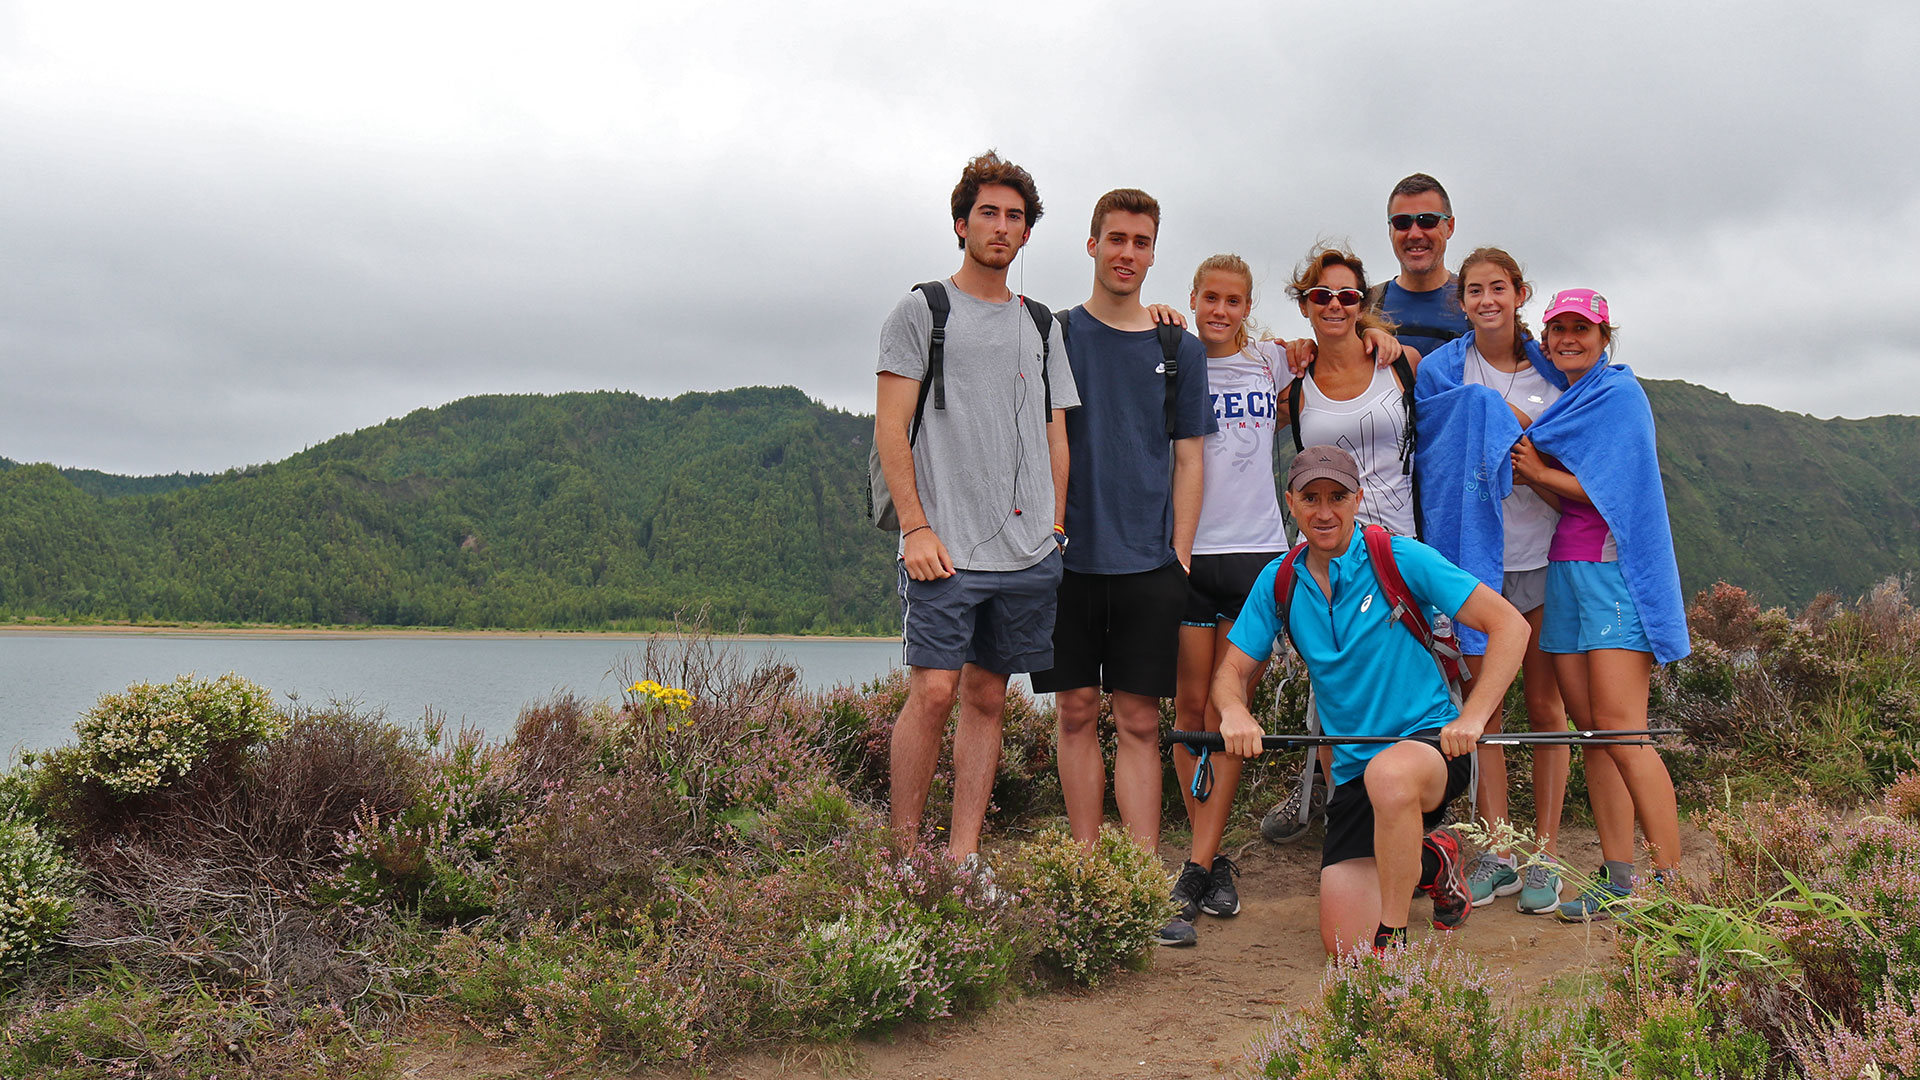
(1488, 877)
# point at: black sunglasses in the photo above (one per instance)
(1320, 294)
(1403, 222)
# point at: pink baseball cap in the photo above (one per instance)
(1585, 303)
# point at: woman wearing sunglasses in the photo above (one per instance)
(1474, 397)
(1344, 399)
(1614, 606)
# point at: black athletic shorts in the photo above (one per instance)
(1117, 632)
(1350, 812)
(1219, 583)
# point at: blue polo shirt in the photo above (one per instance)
(1370, 676)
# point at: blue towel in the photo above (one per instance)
(1465, 432)
(1601, 430)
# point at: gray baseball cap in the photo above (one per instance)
(1323, 463)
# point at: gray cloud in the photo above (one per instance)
(219, 251)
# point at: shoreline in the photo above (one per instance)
(318, 632)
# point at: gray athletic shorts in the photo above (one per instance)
(1525, 589)
(1000, 620)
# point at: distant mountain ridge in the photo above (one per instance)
(609, 510)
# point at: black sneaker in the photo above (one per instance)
(1194, 882)
(1222, 900)
(1177, 933)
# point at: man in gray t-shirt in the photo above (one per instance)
(979, 491)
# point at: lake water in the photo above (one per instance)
(48, 680)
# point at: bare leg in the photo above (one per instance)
(1545, 712)
(976, 755)
(1349, 905)
(1083, 777)
(1136, 766)
(1612, 805)
(1403, 781)
(1190, 704)
(1210, 820)
(1618, 690)
(1491, 801)
(916, 749)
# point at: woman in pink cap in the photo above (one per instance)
(1614, 606)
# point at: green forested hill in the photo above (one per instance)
(611, 510)
(579, 510)
(1784, 504)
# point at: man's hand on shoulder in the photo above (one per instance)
(925, 555)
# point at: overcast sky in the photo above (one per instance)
(235, 230)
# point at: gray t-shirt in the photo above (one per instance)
(985, 454)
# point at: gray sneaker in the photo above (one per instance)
(1282, 825)
(1488, 877)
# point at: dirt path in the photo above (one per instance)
(1190, 1015)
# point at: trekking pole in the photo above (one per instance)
(1212, 740)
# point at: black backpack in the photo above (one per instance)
(1169, 336)
(879, 500)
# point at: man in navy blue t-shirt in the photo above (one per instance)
(1420, 301)
(1133, 502)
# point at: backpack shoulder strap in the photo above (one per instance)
(1377, 295)
(1042, 319)
(1406, 608)
(1293, 408)
(1170, 336)
(936, 380)
(1283, 579)
(1409, 439)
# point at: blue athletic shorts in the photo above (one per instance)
(1000, 620)
(1588, 608)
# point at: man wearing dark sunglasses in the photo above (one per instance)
(1420, 301)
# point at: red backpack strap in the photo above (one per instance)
(1406, 607)
(1283, 588)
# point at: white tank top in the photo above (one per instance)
(1238, 508)
(1529, 520)
(1370, 427)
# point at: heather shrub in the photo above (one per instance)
(570, 993)
(127, 1027)
(1886, 1044)
(1107, 902)
(1677, 1037)
(136, 742)
(435, 856)
(36, 883)
(1411, 1014)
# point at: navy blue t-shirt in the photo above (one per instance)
(1120, 485)
(1426, 320)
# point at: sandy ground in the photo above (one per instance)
(1190, 1015)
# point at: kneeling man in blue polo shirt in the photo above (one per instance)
(1371, 676)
